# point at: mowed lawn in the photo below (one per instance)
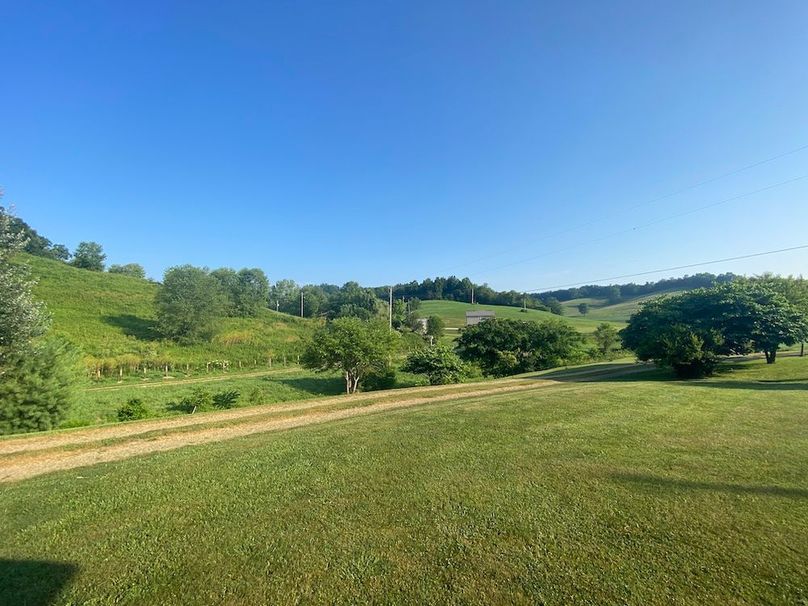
(638, 491)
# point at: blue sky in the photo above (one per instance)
(518, 143)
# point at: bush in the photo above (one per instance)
(440, 364)
(38, 387)
(132, 410)
(379, 380)
(197, 401)
(435, 326)
(506, 347)
(226, 399)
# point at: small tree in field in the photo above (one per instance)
(355, 347)
(439, 363)
(89, 255)
(435, 327)
(37, 386)
(188, 303)
(134, 270)
(21, 317)
(554, 305)
(36, 375)
(606, 338)
(583, 308)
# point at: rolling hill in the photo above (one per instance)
(602, 311)
(453, 314)
(110, 317)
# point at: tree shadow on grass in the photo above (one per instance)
(629, 373)
(319, 386)
(33, 582)
(610, 372)
(754, 385)
(662, 483)
(133, 326)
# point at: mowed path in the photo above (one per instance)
(32, 455)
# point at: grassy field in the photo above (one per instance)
(637, 490)
(600, 310)
(454, 314)
(111, 318)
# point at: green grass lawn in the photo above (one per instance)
(634, 491)
(454, 314)
(99, 404)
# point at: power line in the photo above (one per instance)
(656, 271)
(649, 223)
(647, 202)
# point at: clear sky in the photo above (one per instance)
(524, 144)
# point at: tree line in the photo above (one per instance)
(352, 299)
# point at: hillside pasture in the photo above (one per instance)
(454, 314)
(111, 318)
(602, 311)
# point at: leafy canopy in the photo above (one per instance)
(355, 347)
(504, 347)
(606, 337)
(130, 269)
(188, 303)
(690, 331)
(89, 255)
(439, 363)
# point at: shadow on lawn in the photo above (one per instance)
(33, 582)
(755, 385)
(321, 386)
(658, 482)
(133, 326)
(630, 373)
(611, 372)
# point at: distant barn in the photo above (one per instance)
(475, 317)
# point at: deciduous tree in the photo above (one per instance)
(439, 363)
(188, 303)
(89, 255)
(503, 347)
(134, 270)
(352, 346)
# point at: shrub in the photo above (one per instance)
(226, 399)
(132, 410)
(198, 400)
(440, 364)
(380, 379)
(435, 326)
(38, 387)
(506, 347)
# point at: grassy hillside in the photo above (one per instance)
(633, 491)
(600, 310)
(111, 318)
(454, 314)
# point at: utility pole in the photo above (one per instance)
(301, 302)
(472, 295)
(391, 308)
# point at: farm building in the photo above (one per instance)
(475, 317)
